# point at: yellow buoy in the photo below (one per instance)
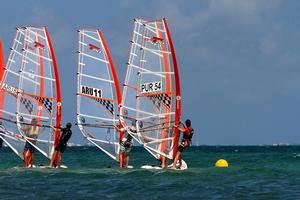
(221, 163)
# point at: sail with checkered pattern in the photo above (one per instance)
(98, 93)
(38, 96)
(151, 94)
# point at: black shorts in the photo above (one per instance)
(61, 147)
(29, 147)
(182, 146)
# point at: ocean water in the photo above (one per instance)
(255, 172)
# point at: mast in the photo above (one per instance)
(58, 93)
(178, 94)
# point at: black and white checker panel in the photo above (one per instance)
(107, 104)
(157, 99)
(27, 103)
(46, 102)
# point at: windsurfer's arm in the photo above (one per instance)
(119, 129)
(179, 128)
(55, 128)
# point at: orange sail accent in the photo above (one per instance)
(178, 93)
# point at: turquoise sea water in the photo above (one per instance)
(255, 172)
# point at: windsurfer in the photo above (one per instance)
(188, 132)
(126, 143)
(66, 134)
(32, 132)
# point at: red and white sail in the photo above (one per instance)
(39, 94)
(98, 93)
(32, 90)
(151, 94)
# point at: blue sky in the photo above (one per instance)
(239, 60)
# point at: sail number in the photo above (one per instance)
(9, 88)
(91, 91)
(150, 87)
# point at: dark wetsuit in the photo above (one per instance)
(64, 138)
(126, 144)
(187, 137)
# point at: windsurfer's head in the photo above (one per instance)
(68, 125)
(188, 122)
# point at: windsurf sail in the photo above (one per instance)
(151, 94)
(39, 94)
(98, 93)
(32, 91)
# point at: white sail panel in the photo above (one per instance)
(98, 93)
